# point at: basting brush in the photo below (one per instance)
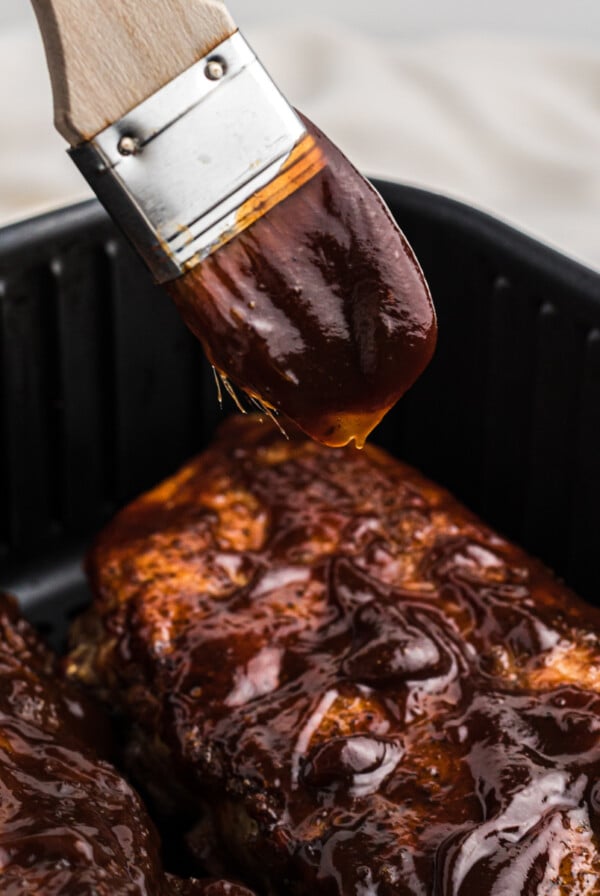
(280, 256)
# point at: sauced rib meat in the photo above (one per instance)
(207, 888)
(359, 686)
(70, 825)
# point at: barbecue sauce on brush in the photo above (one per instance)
(320, 310)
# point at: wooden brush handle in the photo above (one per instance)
(106, 56)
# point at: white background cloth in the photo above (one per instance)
(509, 123)
(403, 19)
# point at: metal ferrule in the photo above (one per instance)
(175, 172)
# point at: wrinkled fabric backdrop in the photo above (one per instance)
(508, 124)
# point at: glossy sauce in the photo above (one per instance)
(375, 694)
(70, 824)
(320, 310)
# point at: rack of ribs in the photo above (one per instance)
(70, 825)
(348, 682)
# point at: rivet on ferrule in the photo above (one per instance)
(129, 146)
(215, 69)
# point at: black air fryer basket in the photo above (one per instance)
(103, 392)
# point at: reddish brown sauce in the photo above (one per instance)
(70, 825)
(320, 309)
(373, 693)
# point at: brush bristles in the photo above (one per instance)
(271, 413)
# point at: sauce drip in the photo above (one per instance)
(320, 310)
(377, 693)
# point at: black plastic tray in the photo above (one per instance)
(103, 391)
